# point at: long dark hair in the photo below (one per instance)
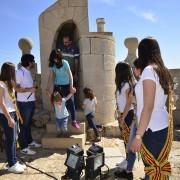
(123, 75)
(150, 54)
(55, 54)
(88, 93)
(8, 75)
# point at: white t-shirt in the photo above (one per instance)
(159, 116)
(121, 98)
(24, 79)
(7, 99)
(89, 105)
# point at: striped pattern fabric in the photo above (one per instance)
(160, 169)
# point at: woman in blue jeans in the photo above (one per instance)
(61, 74)
(8, 116)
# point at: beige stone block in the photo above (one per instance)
(92, 63)
(50, 141)
(78, 3)
(51, 128)
(102, 46)
(109, 92)
(63, 3)
(109, 63)
(83, 26)
(84, 46)
(109, 78)
(80, 13)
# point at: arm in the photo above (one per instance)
(149, 88)
(21, 90)
(11, 122)
(70, 77)
(128, 104)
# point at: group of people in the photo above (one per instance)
(17, 106)
(149, 130)
(141, 106)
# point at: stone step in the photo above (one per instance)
(51, 128)
(50, 141)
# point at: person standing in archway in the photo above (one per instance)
(71, 54)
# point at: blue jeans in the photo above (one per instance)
(65, 90)
(61, 124)
(131, 157)
(154, 142)
(10, 138)
(27, 111)
(91, 122)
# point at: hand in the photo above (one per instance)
(72, 90)
(32, 89)
(11, 123)
(136, 145)
(121, 120)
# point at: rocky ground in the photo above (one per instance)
(52, 161)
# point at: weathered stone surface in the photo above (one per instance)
(102, 46)
(109, 63)
(84, 46)
(78, 3)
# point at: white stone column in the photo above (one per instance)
(100, 24)
(131, 44)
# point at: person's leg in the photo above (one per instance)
(24, 128)
(154, 142)
(128, 121)
(10, 140)
(91, 122)
(31, 109)
(71, 108)
(64, 127)
(131, 156)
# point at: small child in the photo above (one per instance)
(61, 112)
(89, 106)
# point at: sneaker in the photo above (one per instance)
(20, 164)
(16, 168)
(124, 175)
(27, 151)
(75, 124)
(122, 164)
(34, 144)
(66, 135)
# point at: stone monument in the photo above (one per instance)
(97, 52)
(131, 44)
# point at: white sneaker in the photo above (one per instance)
(27, 151)
(19, 164)
(16, 168)
(122, 164)
(34, 144)
(22, 165)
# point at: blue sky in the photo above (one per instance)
(19, 18)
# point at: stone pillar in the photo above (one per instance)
(97, 66)
(100, 24)
(131, 44)
(25, 45)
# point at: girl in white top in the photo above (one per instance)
(8, 115)
(124, 91)
(151, 93)
(89, 106)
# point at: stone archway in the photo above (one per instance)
(70, 29)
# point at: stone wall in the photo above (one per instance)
(176, 74)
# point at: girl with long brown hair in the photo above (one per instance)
(8, 115)
(153, 138)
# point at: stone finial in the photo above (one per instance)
(131, 44)
(100, 24)
(25, 44)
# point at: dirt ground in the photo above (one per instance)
(51, 161)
